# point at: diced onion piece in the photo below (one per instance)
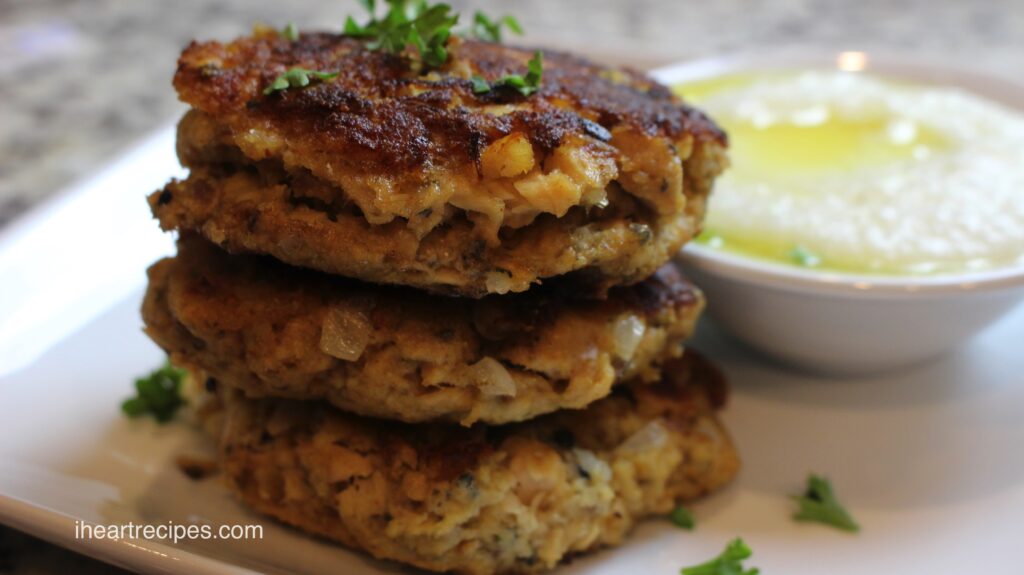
(554, 192)
(508, 157)
(599, 201)
(498, 282)
(649, 437)
(345, 333)
(590, 166)
(628, 331)
(594, 466)
(492, 377)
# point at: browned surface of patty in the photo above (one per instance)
(272, 330)
(519, 498)
(395, 175)
(385, 115)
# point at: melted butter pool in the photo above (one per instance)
(853, 173)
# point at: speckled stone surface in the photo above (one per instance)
(81, 81)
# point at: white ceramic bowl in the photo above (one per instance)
(843, 323)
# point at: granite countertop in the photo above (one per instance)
(81, 81)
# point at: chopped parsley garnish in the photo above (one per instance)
(290, 32)
(421, 28)
(818, 503)
(729, 562)
(425, 28)
(297, 78)
(157, 394)
(405, 25)
(525, 85)
(682, 518)
(480, 85)
(486, 29)
(804, 257)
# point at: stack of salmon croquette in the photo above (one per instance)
(440, 325)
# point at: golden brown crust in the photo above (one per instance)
(262, 326)
(382, 113)
(509, 499)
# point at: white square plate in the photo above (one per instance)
(930, 461)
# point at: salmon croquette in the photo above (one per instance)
(275, 330)
(518, 498)
(391, 175)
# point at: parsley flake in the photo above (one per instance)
(290, 32)
(486, 29)
(415, 25)
(480, 85)
(729, 562)
(818, 503)
(804, 257)
(682, 517)
(157, 394)
(297, 78)
(525, 85)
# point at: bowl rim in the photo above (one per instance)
(791, 278)
(939, 71)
